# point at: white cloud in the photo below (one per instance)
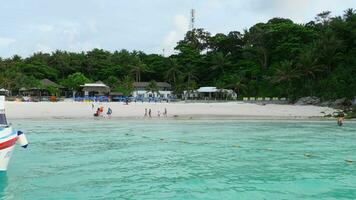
(45, 28)
(181, 23)
(43, 48)
(5, 42)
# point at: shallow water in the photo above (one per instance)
(99, 159)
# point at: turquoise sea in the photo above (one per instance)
(176, 159)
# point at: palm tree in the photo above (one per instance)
(152, 87)
(174, 69)
(138, 68)
(189, 75)
(220, 62)
(308, 66)
(328, 49)
(286, 73)
(126, 86)
(238, 85)
(349, 13)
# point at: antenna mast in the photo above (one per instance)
(192, 20)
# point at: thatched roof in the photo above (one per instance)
(47, 82)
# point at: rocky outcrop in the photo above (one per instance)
(308, 101)
(341, 103)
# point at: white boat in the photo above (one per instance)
(8, 138)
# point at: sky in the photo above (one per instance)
(29, 26)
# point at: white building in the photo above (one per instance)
(210, 93)
(95, 89)
(140, 91)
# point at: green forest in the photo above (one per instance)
(276, 58)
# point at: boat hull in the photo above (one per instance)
(5, 156)
(8, 140)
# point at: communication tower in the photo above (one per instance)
(192, 19)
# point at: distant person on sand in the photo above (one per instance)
(97, 113)
(340, 119)
(159, 113)
(92, 106)
(145, 112)
(149, 113)
(165, 112)
(109, 112)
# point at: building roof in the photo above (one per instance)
(207, 89)
(145, 84)
(47, 82)
(96, 84)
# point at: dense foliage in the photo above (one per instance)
(277, 58)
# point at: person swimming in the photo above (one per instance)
(340, 119)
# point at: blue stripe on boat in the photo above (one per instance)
(11, 134)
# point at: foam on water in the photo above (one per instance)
(99, 159)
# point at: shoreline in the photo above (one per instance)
(183, 111)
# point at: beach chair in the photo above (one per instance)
(252, 99)
(260, 99)
(245, 99)
(267, 99)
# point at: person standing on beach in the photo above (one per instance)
(145, 112)
(165, 114)
(159, 113)
(149, 113)
(109, 112)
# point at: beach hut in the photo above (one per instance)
(95, 89)
(43, 91)
(4, 92)
(140, 90)
(207, 92)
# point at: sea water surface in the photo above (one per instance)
(175, 159)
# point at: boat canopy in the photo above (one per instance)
(2, 104)
(3, 121)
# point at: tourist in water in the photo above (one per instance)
(340, 119)
(149, 113)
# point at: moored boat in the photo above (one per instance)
(8, 138)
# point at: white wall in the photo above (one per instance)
(145, 94)
(2, 103)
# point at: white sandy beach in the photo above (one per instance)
(21, 110)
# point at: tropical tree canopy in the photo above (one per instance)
(274, 58)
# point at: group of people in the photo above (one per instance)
(148, 113)
(100, 111)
